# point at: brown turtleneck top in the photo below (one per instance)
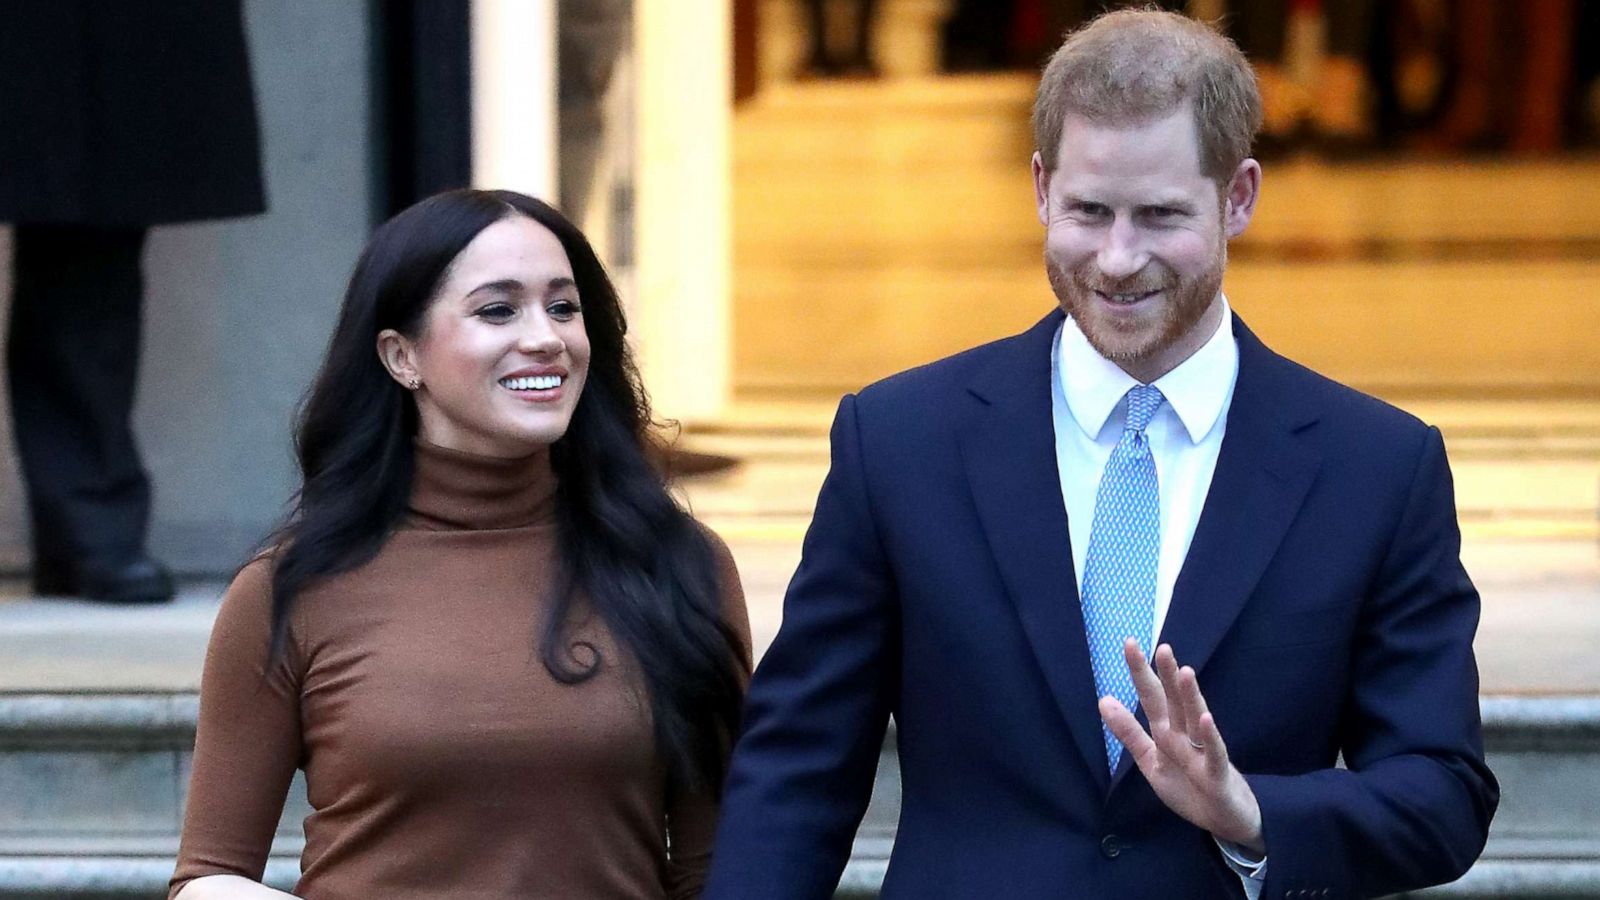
(441, 758)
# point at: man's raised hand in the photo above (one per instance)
(1183, 755)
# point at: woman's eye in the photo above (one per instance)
(496, 312)
(563, 310)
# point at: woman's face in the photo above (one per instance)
(502, 355)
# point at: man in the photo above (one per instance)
(1003, 534)
(114, 117)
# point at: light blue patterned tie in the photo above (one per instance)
(1119, 570)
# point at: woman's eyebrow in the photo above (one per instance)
(499, 286)
(515, 286)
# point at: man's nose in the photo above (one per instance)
(1122, 253)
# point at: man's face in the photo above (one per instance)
(1136, 237)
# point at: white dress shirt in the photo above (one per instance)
(1185, 438)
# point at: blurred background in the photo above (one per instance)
(1428, 232)
(798, 198)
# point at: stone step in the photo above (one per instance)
(92, 790)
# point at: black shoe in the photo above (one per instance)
(136, 579)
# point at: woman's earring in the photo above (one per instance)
(414, 383)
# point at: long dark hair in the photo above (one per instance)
(626, 547)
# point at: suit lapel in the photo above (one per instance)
(1008, 448)
(1263, 472)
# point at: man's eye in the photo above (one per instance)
(496, 312)
(1092, 210)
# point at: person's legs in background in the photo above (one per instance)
(862, 62)
(72, 363)
(823, 59)
(817, 64)
(1260, 28)
(1513, 77)
(1586, 74)
(1468, 122)
(1340, 109)
(993, 35)
(1544, 89)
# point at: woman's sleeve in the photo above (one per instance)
(692, 817)
(247, 745)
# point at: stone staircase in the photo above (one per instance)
(92, 790)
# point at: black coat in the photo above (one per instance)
(126, 112)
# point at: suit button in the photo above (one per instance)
(1110, 847)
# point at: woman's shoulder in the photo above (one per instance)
(250, 595)
(252, 583)
(721, 557)
(243, 626)
(718, 546)
(729, 586)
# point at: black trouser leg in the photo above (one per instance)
(72, 361)
(1260, 28)
(866, 13)
(1349, 28)
(817, 17)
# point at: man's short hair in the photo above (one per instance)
(1130, 66)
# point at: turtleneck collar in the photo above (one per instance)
(453, 489)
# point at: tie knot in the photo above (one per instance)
(1143, 401)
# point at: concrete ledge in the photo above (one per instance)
(1544, 844)
(1498, 879)
(30, 721)
(1541, 723)
(95, 878)
(49, 718)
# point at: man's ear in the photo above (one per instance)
(1239, 199)
(1041, 188)
(399, 355)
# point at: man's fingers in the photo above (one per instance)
(1178, 713)
(1216, 750)
(1203, 726)
(1187, 687)
(1151, 695)
(1125, 728)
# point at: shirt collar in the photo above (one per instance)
(1198, 389)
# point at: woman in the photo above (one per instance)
(508, 662)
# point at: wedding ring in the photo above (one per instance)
(1194, 743)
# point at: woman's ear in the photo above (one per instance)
(398, 354)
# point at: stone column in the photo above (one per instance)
(514, 96)
(682, 297)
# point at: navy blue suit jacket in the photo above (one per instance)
(1322, 602)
